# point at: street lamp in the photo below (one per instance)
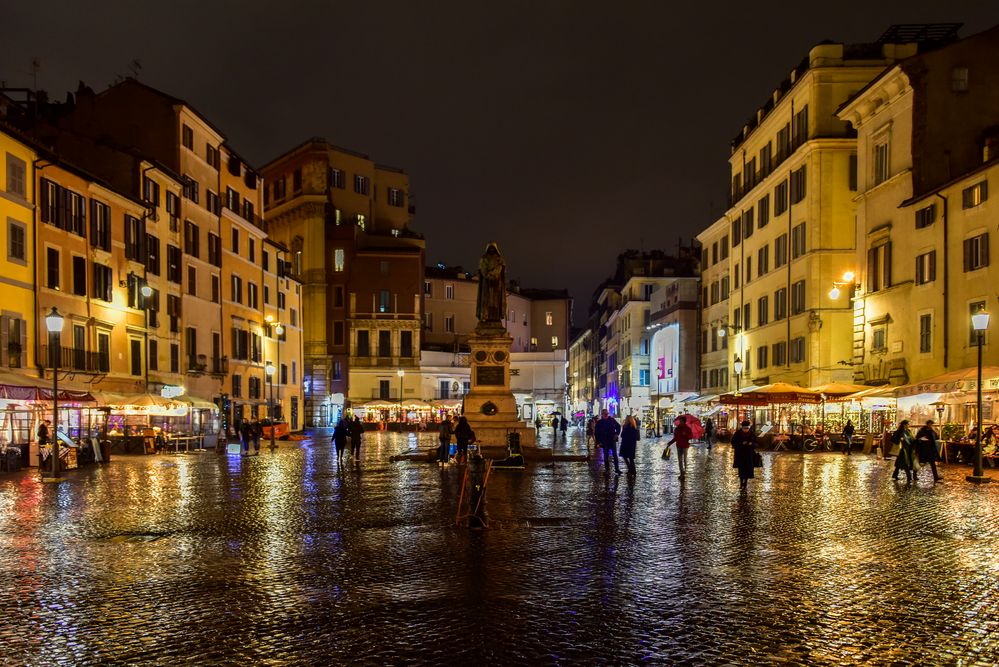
(737, 366)
(269, 371)
(402, 374)
(979, 322)
(835, 292)
(146, 291)
(54, 322)
(279, 332)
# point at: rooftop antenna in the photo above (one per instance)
(36, 64)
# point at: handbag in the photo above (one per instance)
(757, 460)
(666, 453)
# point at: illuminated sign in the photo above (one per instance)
(171, 391)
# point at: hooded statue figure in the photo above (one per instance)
(491, 304)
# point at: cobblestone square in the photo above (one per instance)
(287, 558)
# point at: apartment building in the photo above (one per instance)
(791, 220)
(345, 221)
(17, 194)
(924, 212)
(715, 331)
(673, 330)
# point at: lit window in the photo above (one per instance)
(548, 318)
(554, 341)
(338, 259)
(360, 222)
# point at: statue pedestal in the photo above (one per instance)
(490, 407)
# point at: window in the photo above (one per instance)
(724, 288)
(798, 297)
(395, 197)
(296, 181)
(79, 276)
(926, 267)
(925, 333)
(173, 264)
(780, 303)
(746, 321)
(280, 188)
(17, 248)
(763, 260)
(187, 136)
(173, 209)
(251, 249)
(192, 240)
(714, 253)
(449, 323)
(852, 173)
(881, 161)
(135, 356)
(428, 321)
(237, 385)
(427, 289)
(976, 252)
(280, 300)
(737, 274)
(554, 341)
(102, 282)
(749, 269)
(724, 247)
(338, 296)
(449, 291)
(714, 293)
(152, 254)
(237, 289)
(763, 211)
(231, 199)
(384, 301)
(153, 352)
(879, 267)
(798, 350)
(100, 225)
(338, 333)
(747, 223)
(248, 211)
(267, 294)
(339, 259)
(15, 330)
(253, 386)
(16, 170)
(173, 311)
(52, 268)
(338, 179)
(762, 310)
(192, 189)
(959, 79)
(360, 184)
(360, 221)
(879, 338)
(736, 232)
(192, 281)
(252, 295)
(762, 354)
(798, 241)
(174, 358)
(384, 343)
(216, 289)
(766, 158)
(644, 377)
(975, 195)
(780, 198)
(926, 216)
(235, 239)
(337, 370)
(779, 353)
(214, 249)
(972, 309)
(798, 184)
(799, 126)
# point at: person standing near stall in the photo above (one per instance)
(744, 444)
(848, 437)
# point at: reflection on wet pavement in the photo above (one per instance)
(287, 557)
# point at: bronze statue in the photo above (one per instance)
(491, 304)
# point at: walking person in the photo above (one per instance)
(590, 424)
(463, 436)
(606, 432)
(848, 437)
(744, 444)
(563, 426)
(444, 437)
(244, 435)
(709, 433)
(537, 425)
(926, 448)
(340, 435)
(356, 433)
(682, 435)
(554, 428)
(903, 460)
(629, 442)
(256, 430)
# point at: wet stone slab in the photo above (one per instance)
(288, 558)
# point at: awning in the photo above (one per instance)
(377, 404)
(198, 403)
(880, 391)
(965, 379)
(778, 392)
(836, 389)
(699, 398)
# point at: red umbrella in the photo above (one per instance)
(696, 427)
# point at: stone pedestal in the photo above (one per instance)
(490, 407)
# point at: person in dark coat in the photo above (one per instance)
(682, 435)
(244, 435)
(903, 460)
(590, 424)
(848, 437)
(444, 438)
(709, 433)
(340, 435)
(563, 426)
(256, 430)
(606, 432)
(463, 436)
(744, 444)
(926, 448)
(356, 433)
(629, 441)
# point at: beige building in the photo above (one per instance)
(714, 333)
(582, 360)
(791, 219)
(924, 214)
(673, 347)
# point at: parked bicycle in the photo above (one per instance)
(814, 439)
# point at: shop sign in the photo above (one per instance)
(171, 391)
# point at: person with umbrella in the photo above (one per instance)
(682, 435)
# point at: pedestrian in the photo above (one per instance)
(848, 437)
(463, 436)
(903, 460)
(244, 435)
(554, 427)
(563, 426)
(682, 435)
(606, 432)
(590, 423)
(43, 433)
(926, 448)
(537, 424)
(629, 441)
(709, 433)
(340, 434)
(444, 437)
(256, 430)
(744, 444)
(356, 433)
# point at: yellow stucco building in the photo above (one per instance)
(17, 224)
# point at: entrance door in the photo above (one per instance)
(384, 389)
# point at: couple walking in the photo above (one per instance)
(606, 432)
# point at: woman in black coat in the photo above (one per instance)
(464, 436)
(340, 434)
(926, 448)
(629, 440)
(744, 444)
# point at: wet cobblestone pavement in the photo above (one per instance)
(288, 559)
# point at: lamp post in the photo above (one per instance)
(402, 375)
(979, 322)
(54, 322)
(269, 370)
(146, 291)
(279, 332)
(737, 366)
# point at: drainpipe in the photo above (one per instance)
(34, 274)
(946, 286)
(145, 277)
(787, 256)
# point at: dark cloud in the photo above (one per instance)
(565, 130)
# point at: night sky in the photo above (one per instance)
(565, 131)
